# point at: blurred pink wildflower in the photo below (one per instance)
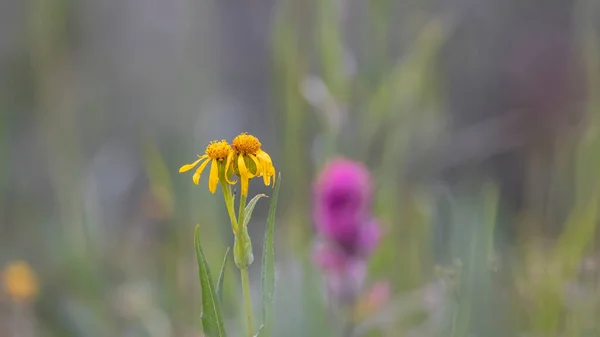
(343, 220)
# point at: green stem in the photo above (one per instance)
(247, 301)
(230, 206)
(241, 211)
(244, 271)
(244, 274)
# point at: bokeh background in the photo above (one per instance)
(479, 120)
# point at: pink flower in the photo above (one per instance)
(368, 238)
(342, 198)
(348, 232)
(345, 275)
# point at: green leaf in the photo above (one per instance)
(222, 275)
(212, 316)
(268, 266)
(250, 208)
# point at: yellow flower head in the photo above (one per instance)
(19, 281)
(220, 154)
(250, 161)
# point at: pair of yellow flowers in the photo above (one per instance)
(244, 157)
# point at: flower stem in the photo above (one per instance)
(241, 211)
(230, 207)
(247, 301)
(244, 274)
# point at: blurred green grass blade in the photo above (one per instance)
(491, 199)
(330, 47)
(212, 316)
(268, 266)
(260, 329)
(578, 236)
(575, 241)
(222, 276)
(250, 208)
(406, 84)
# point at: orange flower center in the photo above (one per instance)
(246, 143)
(218, 149)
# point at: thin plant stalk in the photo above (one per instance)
(244, 276)
(247, 301)
(235, 224)
(230, 207)
(241, 212)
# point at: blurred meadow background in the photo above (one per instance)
(478, 120)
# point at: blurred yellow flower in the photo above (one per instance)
(251, 161)
(19, 281)
(220, 154)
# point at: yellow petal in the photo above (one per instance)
(264, 156)
(228, 162)
(259, 167)
(268, 168)
(196, 176)
(244, 175)
(213, 179)
(265, 172)
(267, 179)
(188, 167)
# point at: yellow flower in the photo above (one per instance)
(250, 161)
(220, 154)
(19, 281)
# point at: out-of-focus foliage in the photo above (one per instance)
(479, 121)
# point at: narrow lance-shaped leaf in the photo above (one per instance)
(212, 316)
(250, 207)
(222, 275)
(268, 266)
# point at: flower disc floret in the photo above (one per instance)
(218, 149)
(251, 161)
(220, 154)
(246, 144)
